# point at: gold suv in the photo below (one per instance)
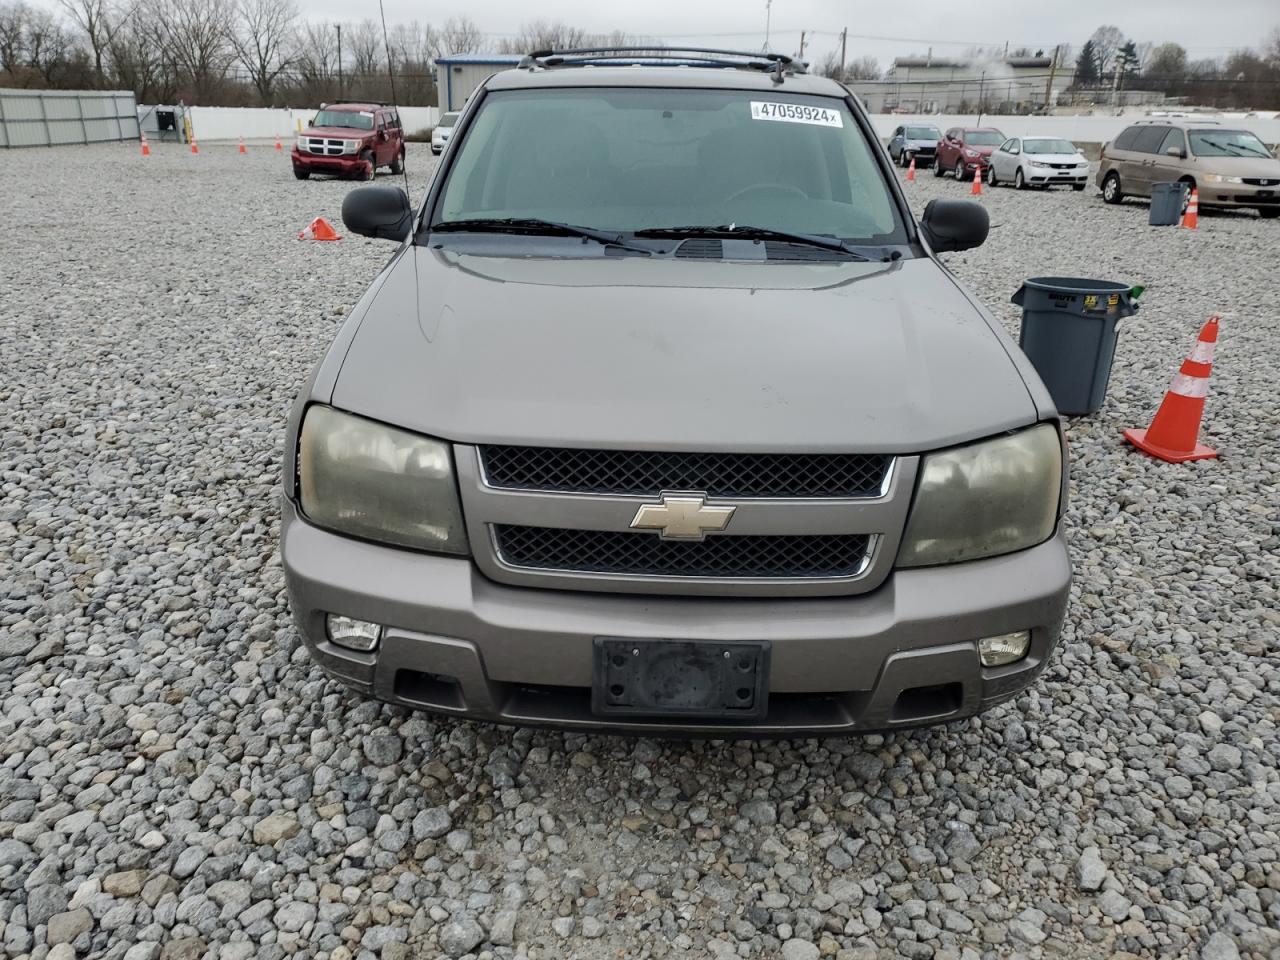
(1230, 167)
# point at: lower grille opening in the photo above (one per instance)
(429, 689)
(646, 554)
(921, 703)
(557, 704)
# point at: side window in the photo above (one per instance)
(1149, 139)
(1174, 139)
(1127, 137)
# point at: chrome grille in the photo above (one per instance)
(642, 473)
(647, 555)
(325, 147)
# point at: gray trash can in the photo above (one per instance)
(1069, 334)
(1167, 203)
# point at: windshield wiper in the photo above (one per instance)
(734, 231)
(534, 227)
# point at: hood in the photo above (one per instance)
(681, 355)
(336, 133)
(1056, 157)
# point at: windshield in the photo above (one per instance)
(983, 138)
(1226, 143)
(448, 120)
(1048, 146)
(641, 159)
(356, 120)
(922, 133)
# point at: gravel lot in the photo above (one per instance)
(177, 781)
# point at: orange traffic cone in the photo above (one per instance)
(319, 229)
(1173, 433)
(146, 147)
(278, 147)
(911, 170)
(242, 149)
(1191, 218)
(194, 148)
(976, 189)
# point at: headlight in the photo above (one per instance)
(1218, 178)
(369, 480)
(301, 142)
(985, 499)
(1037, 163)
(350, 146)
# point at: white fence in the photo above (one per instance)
(1081, 129)
(256, 123)
(211, 124)
(45, 118)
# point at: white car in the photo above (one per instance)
(1038, 162)
(440, 133)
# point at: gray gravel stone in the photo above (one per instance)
(460, 935)
(157, 714)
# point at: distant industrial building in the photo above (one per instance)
(458, 74)
(936, 85)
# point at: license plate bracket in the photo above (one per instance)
(726, 679)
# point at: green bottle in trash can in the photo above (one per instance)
(1069, 335)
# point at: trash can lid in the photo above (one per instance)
(1076, 285)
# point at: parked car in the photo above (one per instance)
(350, 139)
(1231, 167)
(914, 142)
(440, 132)
(965, 150)
(1038, 162)
(578, 458)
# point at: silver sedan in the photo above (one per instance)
(1038, 162)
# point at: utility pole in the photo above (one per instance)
(1048, 84)
(801, 54)
(768, 16)
(844, 35)
(339, 26)
(981, 83)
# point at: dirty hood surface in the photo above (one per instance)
(680, 355)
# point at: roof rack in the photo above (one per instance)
(777, 64)
(345, 103)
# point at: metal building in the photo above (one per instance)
(458, 74)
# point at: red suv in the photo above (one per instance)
(350, 140)
(966, 151)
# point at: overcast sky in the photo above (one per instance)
(909, 27)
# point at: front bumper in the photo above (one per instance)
(345, 165)
(456, 642)
(1047, 175)
(1239, 195)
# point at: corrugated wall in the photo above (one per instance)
(43, 118)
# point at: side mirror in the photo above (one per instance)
(1177, 152)
(950, 225)
(383, 213)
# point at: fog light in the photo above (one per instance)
(353, 634)
(1006, 648)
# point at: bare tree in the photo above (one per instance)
(317, 52)
(365, 46)
(459, 35)
(137, 62)
(862, 68)
(263, 40)
(93, 18)
(1107, 41)
(196, 41)
(13, 36)
(544, 35)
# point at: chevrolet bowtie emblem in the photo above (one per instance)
(682, 516)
